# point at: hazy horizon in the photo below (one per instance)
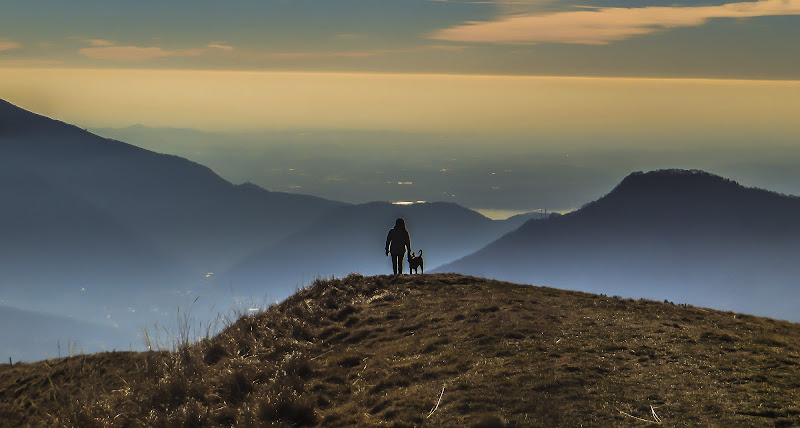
(347, 166)
(570, 96)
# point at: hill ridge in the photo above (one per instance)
(673, 179)
(683, 235)
(445, 350)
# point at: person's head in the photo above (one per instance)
(400, 224)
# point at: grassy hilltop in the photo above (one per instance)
(372, 351)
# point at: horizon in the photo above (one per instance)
(523, 85)
(524, 124)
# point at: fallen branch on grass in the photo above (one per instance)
(655, 416)
(657, 420)
(438, 402)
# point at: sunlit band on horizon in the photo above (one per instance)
(468, 104)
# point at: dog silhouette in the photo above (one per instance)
(415, 261)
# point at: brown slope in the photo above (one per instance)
(35, 394)
(380, 351)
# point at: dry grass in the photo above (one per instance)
(32, 394)
(436, 350)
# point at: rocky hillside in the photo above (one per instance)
(435, 350)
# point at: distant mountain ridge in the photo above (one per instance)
(352, 239)
(687, 236)
(16, 122)
(175, 202)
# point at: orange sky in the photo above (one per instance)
(453, 104)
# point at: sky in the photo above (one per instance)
(567, 95)
(647, 38)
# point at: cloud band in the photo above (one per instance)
(605, 25)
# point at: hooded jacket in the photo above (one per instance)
(397, 240)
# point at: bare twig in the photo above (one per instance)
(655, 416)
(438, 402)
(657, 422)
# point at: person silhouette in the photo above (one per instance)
(396, 243)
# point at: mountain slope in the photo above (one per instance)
(182, 207)
(352, 239)
(85, 211)
(52, 230)
(103, 231)
(438, 350)
(51, 235)
(686, 236)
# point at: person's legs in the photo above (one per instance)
(394, 263)
(400, 264)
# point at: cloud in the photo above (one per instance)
(99, 42)
(93, 42)
(107, 50)
(350, 36)
(358, 54)
(321, 54)
(136, 53)
(220, 46)
(28, 62)
(605, 25)
(140, 53)
(6, 45)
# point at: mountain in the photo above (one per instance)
(184, 208)
(96, 228)
(352, 239)
(435, 350)
(685, 236)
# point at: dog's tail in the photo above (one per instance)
(420, 253)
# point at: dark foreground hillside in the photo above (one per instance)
(435, 350)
